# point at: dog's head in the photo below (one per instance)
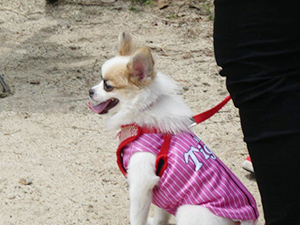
(131, 91)
(122, 77)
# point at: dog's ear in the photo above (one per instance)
(141, 67)
(127, 44)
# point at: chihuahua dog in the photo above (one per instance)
(163, 161)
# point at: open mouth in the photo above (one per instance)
(103, 107)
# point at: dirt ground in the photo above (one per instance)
(57, 160)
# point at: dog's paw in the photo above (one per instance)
(150, 221)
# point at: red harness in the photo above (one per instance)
(130, 133)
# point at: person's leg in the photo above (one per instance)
(271, 127)
(276, 165)
(258, 48)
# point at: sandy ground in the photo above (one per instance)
(57, 161)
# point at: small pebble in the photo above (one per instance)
(11, 196)
(25, 181)
(187, 56)
(35, 82)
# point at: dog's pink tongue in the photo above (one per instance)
(98, 108)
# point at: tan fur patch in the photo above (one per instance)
(117, 76)
(126, 44)
(138, 73)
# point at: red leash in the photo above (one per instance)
(209, 113)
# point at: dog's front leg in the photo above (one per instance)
(142, 179)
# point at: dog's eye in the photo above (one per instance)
(107, 87)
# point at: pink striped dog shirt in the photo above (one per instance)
(194, 176)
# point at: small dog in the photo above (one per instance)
(164, 162)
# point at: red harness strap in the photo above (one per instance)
(130, 133)
(161, 162)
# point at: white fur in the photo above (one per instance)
(112, 62)
(155, 105)
(161, 217)
(197, 215)
(142, 180)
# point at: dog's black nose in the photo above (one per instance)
(91, 92)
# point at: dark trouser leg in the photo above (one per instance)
(271, 126)
(258, 47)
(276, 163)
